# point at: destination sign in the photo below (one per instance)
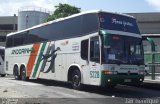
(118, 22)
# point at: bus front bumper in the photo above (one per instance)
(108, 80)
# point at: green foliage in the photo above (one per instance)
(63, 10)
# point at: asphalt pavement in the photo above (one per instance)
(52, 92)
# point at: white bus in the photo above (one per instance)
(93, 48)
(2, 71)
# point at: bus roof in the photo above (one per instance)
(65, 18)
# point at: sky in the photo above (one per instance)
(11, 7)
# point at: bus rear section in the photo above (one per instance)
(2, 71)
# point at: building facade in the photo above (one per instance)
(8, 24)
(149, 23)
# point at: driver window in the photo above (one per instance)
(94, 49)
(135, 50)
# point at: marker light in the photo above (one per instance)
(107, 72)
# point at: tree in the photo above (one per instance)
(63, 10)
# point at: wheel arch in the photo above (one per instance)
(70, 71)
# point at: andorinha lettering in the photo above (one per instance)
(22, 51)
(115, 21)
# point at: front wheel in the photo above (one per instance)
(76, 80)
(23, 74)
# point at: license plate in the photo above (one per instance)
(127, 80)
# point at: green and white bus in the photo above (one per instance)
(93, 48)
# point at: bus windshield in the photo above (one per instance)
(123, 50)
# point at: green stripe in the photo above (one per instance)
(39, 60)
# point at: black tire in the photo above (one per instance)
(3, 75)
(76, 80)
(23, 74)
(16, 73)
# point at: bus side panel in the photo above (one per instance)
(16, 56)
(44, 66)
(66, 57)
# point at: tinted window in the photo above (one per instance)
(89, 23)
(36, 35)
(18, 39)
(72, 27)
(69, 28)
(84, 49)
(56, 31)
(124, 50)
(94, 49)
(9, 42)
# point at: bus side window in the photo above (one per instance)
(9, 42)
(84, 49)
(94, 49)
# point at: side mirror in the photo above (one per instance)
(105, 36)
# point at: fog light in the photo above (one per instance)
(109, 80)
(141, 72)
(140, 79)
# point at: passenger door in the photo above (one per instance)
(94, 60)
